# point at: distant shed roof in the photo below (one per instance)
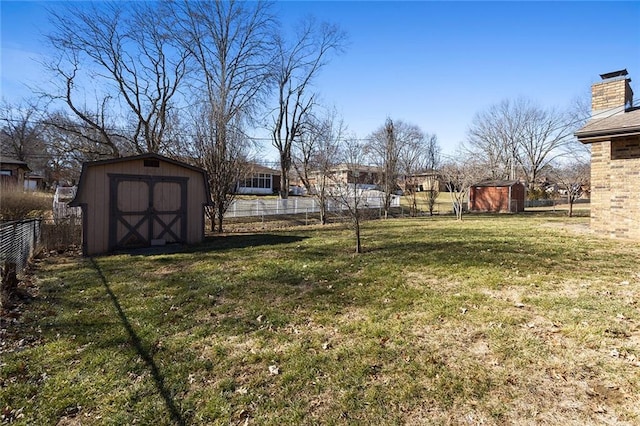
(488, 183)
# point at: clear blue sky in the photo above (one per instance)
(434, 64)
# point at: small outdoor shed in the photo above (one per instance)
(506, 196)
(140, 201)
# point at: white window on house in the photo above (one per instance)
(5, 172)
(258, 180)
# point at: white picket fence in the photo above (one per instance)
(300, 205)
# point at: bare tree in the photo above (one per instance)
(225, 163)
(384, 149)
(296, 66)
(418, 156)
(315, 157)
(83, 141)
(125, 52)
(491, 139)
(21, 134)
(459, 174)
(231, 44)
(345, 192)
(572, 177)
(519, 137)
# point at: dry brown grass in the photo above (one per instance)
(16, 204)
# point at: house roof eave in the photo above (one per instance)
(603, 135)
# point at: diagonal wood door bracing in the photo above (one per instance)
(145, 208)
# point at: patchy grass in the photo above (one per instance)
(494, 320)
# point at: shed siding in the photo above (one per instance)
(497, 198)
(96, 190)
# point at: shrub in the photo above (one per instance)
(16, 204)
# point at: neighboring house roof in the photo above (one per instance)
(257, 168)
(13, 162)
(622, 124)
(488, 183)
(426, 173)
(34, 177)
(359, 167)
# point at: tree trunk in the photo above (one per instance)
(285, 165)
(570, 200)
(220, 217)
(323, 211)
(357, 232)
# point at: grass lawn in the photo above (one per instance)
(505, 319)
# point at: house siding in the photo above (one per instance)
(615, 182)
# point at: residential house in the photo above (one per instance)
(259, 180)
(34, 182)
(366, 177)
(614, 135)
(13, 172)
(420, 182)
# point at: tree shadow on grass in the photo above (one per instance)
(144, 354)
(217, 243)
(226, 242)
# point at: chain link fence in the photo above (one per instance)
(19, 241)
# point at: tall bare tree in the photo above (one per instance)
(519, 139)
(125, 53)
(296, 66)
(315, 156)
(231, 44)
(384, 148)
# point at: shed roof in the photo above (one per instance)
(501, 183)
(88, 164)
(622, 124)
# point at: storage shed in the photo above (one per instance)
(140, 201)
(497, 196)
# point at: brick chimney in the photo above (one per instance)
(612, 95)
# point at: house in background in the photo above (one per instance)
(34, 182)
(13, 173)
(497, 196)
(364, 176)
(259, 180)
(425, 181)
(614, 135)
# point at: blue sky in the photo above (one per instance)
(434, 64)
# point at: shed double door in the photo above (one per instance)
(147, 210)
